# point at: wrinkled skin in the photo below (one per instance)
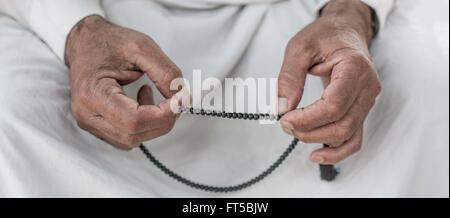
(336, 48)
(102, 57)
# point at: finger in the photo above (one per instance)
(291, 80)
(323, 69)
(145, 136)
(125, 113)
(335, 144)
(336, 100)
(335, 155)
(105, 131)
(104, 137)
(126, 77)
(340, 131)
(160, 69)
(145, 95)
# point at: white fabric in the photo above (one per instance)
(382, 8)
(43, 152)
(52, 20)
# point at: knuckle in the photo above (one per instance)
(76, 112)
(133, 45)
(304, 137)
(167, 129)
(292, 46)
(334, 111)
(172, 122)
(302, 124)
(136, 45)
(342, 133)
(361, 63)
(82, 126)
(349, 124)
(378, 88)
(84, 96)
(127, 148)
(362, 60)
(284, 81)
(291, 80)
(172, 73)
(356, 148)
(131, 141)
(299, 46)
(346, 133)
(132, 124)
(169, 116)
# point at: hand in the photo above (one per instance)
(102, 57)
(334, 47)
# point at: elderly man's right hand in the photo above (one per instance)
(103, 57)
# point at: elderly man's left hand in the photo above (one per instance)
(334, 47)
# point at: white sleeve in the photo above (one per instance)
(381, 7)
(51, 20)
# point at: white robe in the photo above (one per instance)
(52, 20)
(405, 152)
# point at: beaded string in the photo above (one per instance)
(234, 115)
(326, 170)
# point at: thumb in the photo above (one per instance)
(145, 95)
(160, 69)
(291, 80)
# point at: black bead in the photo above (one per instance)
(238, 187)
(279, 117)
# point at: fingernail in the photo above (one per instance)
(318, 159)
(289, 129)
(282, 105)
(174, 105)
